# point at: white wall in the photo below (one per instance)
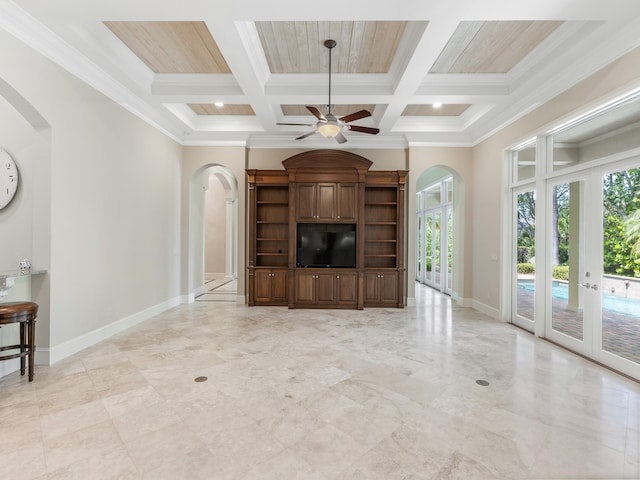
(114, 207)
(17, 138)
(215, 234)
(271, 158)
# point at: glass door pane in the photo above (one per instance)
(449, 269)
(525, 268)
(620, 283)
(428, 245)
(437, 260)
(567, 246)
(419, 250)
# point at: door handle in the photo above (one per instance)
(588, 285)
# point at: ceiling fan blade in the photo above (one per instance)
(356, 128)
(340, 138)
(316, 113)
(306, 135)
(297, 124)
(356, 116)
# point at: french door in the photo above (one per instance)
(592, 302)
(524, 251)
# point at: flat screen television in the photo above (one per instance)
(323, 245)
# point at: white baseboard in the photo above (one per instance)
(55, 354)
(241, 299)
(200, 291)
(486, 309)
(411, 301)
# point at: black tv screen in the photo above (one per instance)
(322, 245)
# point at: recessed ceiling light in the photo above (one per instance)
(437, 104)
(219, 104)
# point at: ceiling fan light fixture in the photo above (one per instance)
(329, 130)
(330, 126)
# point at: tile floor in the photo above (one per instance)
(321, 394)
(219, 290)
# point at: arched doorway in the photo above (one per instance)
(214, 230)
(437, 228)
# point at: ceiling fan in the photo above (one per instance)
(329, 125)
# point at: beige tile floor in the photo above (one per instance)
(321, 394)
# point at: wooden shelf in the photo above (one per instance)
(272, 226)
(381, 212)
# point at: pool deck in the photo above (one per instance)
(620, 332)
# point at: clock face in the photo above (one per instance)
(8, 179)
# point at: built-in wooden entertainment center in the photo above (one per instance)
(326, 233)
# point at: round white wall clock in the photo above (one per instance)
(9, 179)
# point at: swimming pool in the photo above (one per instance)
(560, 290)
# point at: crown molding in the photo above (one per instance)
(563, 72)
(318, 141)
(27, 29)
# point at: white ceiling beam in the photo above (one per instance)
(426, 52)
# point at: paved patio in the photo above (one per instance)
(620, 332)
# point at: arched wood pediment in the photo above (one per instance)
(327, 160)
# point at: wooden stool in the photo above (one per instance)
(25, 314)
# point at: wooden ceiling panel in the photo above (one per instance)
(298, 47)
(210, 109)
(172, 47)
(430, 111)
(337, 110)
(491, 47)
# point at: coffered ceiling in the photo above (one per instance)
(228, 72)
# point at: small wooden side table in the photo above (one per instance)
(25, 314)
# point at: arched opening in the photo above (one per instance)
(438, 230)
(214, 233)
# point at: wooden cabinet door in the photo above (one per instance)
(381, 288)
(326, 201)
(262, 285)
(271, 286)
(306, 202)
(347, 288)
(389, 287)
(371, 287)
(279, 290)
(305, 288)
(346, 202)
(325, 288)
